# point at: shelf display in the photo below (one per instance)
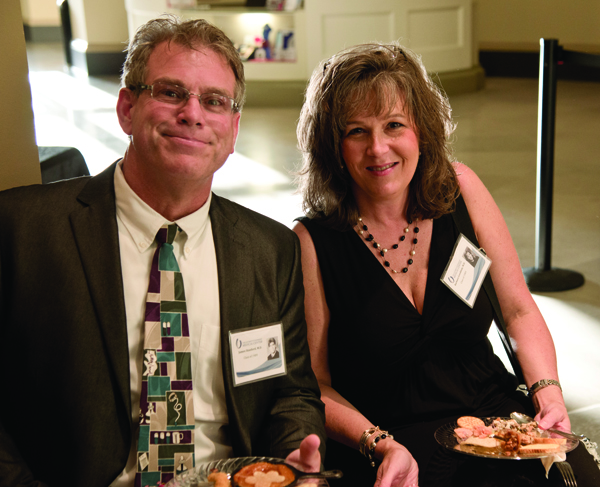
(286, 44)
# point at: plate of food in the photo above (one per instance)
(501, 438)
(250, 472)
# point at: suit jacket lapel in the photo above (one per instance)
(234, 265)
(94, 227)
(235, 268)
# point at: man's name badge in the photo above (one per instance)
(257, 353)
(466, 270)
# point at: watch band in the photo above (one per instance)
(540, 384)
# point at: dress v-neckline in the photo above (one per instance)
(390, 280)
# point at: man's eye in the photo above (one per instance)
(214, 101)
(171, 92)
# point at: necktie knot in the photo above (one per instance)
(166, 234)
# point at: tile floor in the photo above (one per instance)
(496, 136)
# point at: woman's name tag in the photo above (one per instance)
(466, 270)
(257, 353)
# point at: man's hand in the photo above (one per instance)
(307, 458)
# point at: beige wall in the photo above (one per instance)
(20, 163)
(103, 25)
(40, 13)
(505, 24)
(519, 24)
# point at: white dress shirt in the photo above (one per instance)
(195, 252)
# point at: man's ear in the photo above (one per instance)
(125, 103)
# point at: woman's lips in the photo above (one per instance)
(381, 168)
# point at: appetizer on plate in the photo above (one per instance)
(504, 437)
(264, 474)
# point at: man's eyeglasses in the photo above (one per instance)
(178, 95)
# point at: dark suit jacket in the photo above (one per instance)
(65, 409)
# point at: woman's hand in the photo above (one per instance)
(398, 468)
(552, 412)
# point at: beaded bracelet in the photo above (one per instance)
(540, 384)
(362, 443)
(382, 436)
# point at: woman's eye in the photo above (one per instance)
(355, 131)
(395, 125)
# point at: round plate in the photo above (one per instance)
(445, 436)
(199, 475)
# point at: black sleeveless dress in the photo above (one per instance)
(408, 373)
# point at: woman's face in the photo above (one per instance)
(381, 153)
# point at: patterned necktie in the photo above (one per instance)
(166, 439)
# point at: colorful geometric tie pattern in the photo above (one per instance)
(166, 438)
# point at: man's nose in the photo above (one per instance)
(192, 112)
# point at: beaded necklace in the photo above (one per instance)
(362, 228)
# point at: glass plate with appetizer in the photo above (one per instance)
(250, 472)
(501, 438)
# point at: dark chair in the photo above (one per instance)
(58, 163)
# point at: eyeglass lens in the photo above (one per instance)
(177, 95)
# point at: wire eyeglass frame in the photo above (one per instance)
(173, 94)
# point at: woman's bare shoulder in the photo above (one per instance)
(303, 234)
(467, 178)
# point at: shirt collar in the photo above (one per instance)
(142, 222)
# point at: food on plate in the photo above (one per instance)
(469, 422)
(482, 431)
(503, 437)
(463, 433)
(489, 443)
(558, 441)
(220, 479)
(264, 474)
(540, 448)
(512, 441)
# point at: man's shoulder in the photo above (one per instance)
(247, 220)
(42, 196)
(59, 197)
(48, 188)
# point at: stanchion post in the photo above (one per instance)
(543, 277)
(545, 153)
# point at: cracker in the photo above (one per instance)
(540, 448)
(558, 441)
(469, 422)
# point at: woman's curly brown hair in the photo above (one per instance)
(372, 78)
